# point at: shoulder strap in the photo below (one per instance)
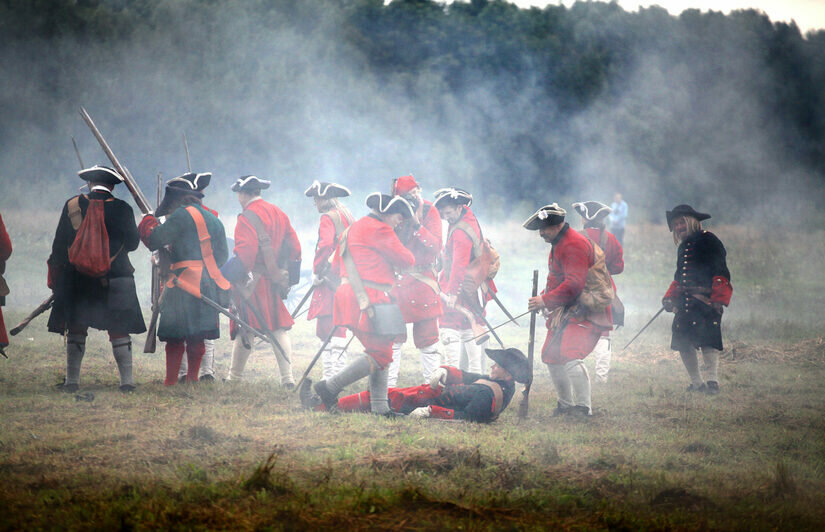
(264, 245)
(337, 221)
(206, 249)
(75, 214)
(462, 225)
(603, 240)
(352, 272)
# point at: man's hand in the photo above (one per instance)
(317, 279)
(421, 412)
(667, 303)
(438, 378)
(450, 299)
(535, 303)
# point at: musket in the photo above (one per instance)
(317, 356)
(503, 308)
(471, 315)
(43, 307)
(524, 405)
(645, 327)
(304, 300)
(131, 184)
(77, 152)
(500, 325)
(186, 147)
(158, 265)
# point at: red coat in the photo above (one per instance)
(280, 232)
(613, 255)
(376, 252)
(322, 296)
(572, 255)
(418, 300)
(457, 256)
(5, 253)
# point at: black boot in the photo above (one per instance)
(712, 388)
(329, 399)
(308, 399)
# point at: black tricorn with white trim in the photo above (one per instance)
(250, 184)
(100, 174)
(592, 210)
(324, 190)
(176, 188)
(452, 196)
(386, 204)
(546, 216)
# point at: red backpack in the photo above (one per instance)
(89, 253)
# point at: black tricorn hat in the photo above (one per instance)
(683, 210)
(513, 361)
(386, 204)
(452, 196)
(250, 184)
(548, 215)
(101, 174)
(592, 210)
(176, 188)
(199, 181)
(324, 190)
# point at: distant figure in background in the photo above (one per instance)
(5, 253)
(699, 292)
(593, 216)
(618, 217)
(416, 289)
(267, 247)
(106, 301)
(335, 218)
(206, 373)
(197, 246)
(573, 329)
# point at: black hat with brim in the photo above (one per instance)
(452, 196)
(684, 210)
(513, 361)
(250, 184)
(176, 188)
(592, 210)
(324, 190)
(546, 216)
(100, 174)
(386, 204)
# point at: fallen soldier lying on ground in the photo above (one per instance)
(450, 394)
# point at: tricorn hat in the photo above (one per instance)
(250, 184)
(592, 211)
(548, 215)
(452, 196)
(386, 204)
(513, 361)
(176, 188)
(405, 184)
(100, 174)
(199, 181)
(322, 189)
(683, 210)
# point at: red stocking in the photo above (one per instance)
(194, 354)
(174, 354)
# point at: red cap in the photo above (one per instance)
(405, 184)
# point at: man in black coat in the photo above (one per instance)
(108, 302)
(698, 294)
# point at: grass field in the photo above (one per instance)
(243, 456)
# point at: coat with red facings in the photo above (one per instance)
(570, 258)
(418, 299)
(613, 254)
(5, 253)
(377, 253)
(281, 233)
(323, 295)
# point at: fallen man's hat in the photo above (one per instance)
(513, 361)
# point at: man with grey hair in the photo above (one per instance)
(572, 327)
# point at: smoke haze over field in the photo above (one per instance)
(290, 93)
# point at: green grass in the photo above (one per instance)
(243, 456)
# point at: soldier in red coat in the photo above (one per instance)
(594, 216)
(266, 246)
(572, 330)
(335, 218)
(463, 233)
(416, 289)
(699, 292)
(5, 253)
(367, 257)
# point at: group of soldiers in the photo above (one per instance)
(372, 277)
